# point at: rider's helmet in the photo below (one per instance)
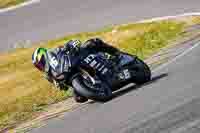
(72, 46)
(39, 58)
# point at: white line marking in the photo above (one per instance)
(176, 58)
(169, 17)
(19, 6)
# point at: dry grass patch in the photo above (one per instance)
(8, 3)
(196, 19)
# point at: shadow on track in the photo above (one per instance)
(134, 87)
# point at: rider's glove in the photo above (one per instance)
(60, 85)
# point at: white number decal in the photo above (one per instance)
(127, 74)
(54, 62)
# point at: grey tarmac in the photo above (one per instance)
(51, 19)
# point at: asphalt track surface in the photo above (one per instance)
(51, 19)
(171, 103)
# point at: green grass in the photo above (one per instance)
(22, 89)
(8, 3)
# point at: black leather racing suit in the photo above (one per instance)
(54, 68)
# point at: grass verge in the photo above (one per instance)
(9, 3)
(22, 89)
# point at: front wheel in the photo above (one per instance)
(78, 98)
(142, 72)
(103, 93)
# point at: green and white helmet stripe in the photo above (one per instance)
(34, 56)
(39, 52)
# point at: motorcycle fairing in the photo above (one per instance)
(125, 59)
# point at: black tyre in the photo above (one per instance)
(143, 72)
(78, 98)
(100, 94)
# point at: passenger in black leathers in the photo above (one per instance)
(54, 72)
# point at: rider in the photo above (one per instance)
(42, 57)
